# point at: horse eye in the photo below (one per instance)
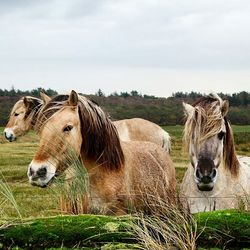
(16, 114)
(67, 128)
(221, 135)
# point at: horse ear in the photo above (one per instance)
(224, 107)
(44, 97)
(25, 102)
(73, 98)
(188, 109)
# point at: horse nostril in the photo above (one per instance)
(31, 172)
(213, 174)
(42, 172)
(8, 137)
(198, 173)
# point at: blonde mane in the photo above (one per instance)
(205, 122)
(100, 142)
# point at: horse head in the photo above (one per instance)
(208, 138)
(23, 116)
(59, 128)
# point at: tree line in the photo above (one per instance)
(123, 105)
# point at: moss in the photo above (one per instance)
(83, 230)
(112, 246)
(106, 233)
(221, 228)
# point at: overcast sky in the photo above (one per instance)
(154, 46)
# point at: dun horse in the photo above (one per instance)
(216, 178)
(119, 172)
(24, 114)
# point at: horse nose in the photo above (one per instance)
(8, 136)
(205, 178)
(40, 173)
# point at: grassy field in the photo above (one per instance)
(37, 202)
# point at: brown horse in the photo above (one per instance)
(119, 173)
(216, 178)
(23, 118)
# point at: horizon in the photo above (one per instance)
(119, 93)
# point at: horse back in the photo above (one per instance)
(149, 172)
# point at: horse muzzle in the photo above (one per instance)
(9, 136)
(205, 182)
(205, 186)
(40, 175)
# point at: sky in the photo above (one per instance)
(157, 47)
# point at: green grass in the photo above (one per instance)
(37, 202)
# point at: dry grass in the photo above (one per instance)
(7, 198)
(168, 227)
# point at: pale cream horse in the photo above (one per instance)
(24, 114)
(121, 174)
(216, 178)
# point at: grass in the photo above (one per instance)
(36, 202)
(31, 202)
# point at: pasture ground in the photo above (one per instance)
(36, 202)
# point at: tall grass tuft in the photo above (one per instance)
(6, 197)
(168, 227)
(73, 185)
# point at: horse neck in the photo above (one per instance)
(95, 169)
(89, 165)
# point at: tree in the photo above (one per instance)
(100, 93)
(124, 94)
(135, 93)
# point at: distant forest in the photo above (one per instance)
(163, 111)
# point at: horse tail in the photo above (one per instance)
(166, 144)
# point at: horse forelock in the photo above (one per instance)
(206, 121)
(33, 111)
(48, 110)
(30, 112)
(101, 142)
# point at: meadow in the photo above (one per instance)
(36, 202)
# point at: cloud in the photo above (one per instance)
(144, 34)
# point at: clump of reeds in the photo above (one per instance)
(168, 226)
(71, 186)
(7, 198)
